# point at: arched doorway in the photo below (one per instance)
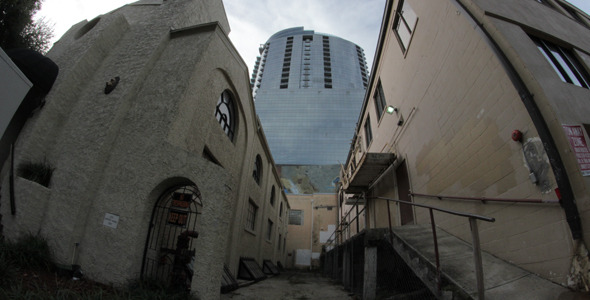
(170, 246)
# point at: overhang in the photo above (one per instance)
(370, 167)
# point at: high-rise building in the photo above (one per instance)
(308, 90)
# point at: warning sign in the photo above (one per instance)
(575, 134)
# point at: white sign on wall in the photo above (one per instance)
(110, 220)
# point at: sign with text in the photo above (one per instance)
(181, 200)
(575, 134)
(110, 220)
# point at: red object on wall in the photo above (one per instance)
(517, 135)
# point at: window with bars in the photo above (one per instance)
(564, 62)
(251, 217)
(225, 114)
(404, 24)
(379, 99)
(296, 217)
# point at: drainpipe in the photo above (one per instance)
(311, 238)
(567, 199)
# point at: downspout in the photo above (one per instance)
(567, 200)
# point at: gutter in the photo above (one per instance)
(567, 199)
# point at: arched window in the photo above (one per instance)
(257, 172)
(272, 196)
(225, 113)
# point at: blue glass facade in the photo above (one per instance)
(308, 90)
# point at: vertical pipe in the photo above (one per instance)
(357, 217)
(389, 219)
(438, 284)
(11, 181)
(311, 237)
(477, 258)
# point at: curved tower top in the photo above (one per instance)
(308, 89)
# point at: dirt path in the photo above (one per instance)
(291, 286)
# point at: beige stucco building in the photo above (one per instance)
(151, 131)
(454, 83)
(312, 224)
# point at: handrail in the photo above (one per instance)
(474, 237)
(484, 199)
(452, 212)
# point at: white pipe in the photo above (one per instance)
(311, 237)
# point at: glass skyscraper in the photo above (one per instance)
(308, 89)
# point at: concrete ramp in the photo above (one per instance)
(502, 280)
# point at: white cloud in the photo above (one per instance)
(253, 22)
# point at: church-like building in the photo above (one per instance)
(160, 167)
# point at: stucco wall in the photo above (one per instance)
(459, 108)
(117, 153)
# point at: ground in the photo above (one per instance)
(291, 285)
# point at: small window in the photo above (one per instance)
(257, 172)
(404, 24)
(379, 99)
(368, 133)
(251, 217)
(269, 230)
(272, 196)
(225, 114)
(281, 211)
(296, 217)
(564, 62)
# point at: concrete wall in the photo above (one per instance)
(459, 107)
(117, 153)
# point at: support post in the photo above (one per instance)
(370, 274)
(346, 267)
(477, 258)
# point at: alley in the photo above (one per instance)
(291, 285)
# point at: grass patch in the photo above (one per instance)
(27, 271)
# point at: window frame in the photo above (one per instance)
(399, 20)
(251, 216)
(272, 196)
(564, 62)
(227, 120)
(300, 217)
(368, 131)
(379, 100)
(257, 171)
(269, 225)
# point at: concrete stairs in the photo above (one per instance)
(502, 280)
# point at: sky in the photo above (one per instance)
(253, 22)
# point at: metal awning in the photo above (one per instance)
(370, 167)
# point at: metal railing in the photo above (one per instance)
(472, 222)
(484, 199)
(474, 236)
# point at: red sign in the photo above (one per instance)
(181, 200)
(177, 218)
(575, 134)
